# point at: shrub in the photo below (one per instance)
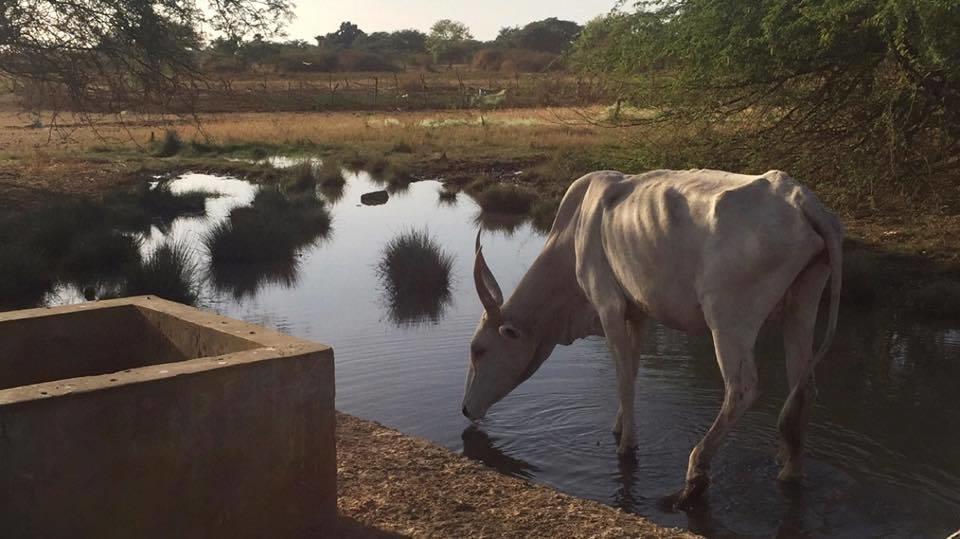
(169, 272)
(330, 174)
(448, 194)
(506, 223)
(161, 203)
(24, 274)
(354, 60)
(150, 205)
(376, 166)
(51, 231)
(273, 228)
(302, 177)
(171, 144)
(306, 62)
(401, 146)
(415, 273)
(98, 251)
(398, 178)
(515, 60)
(543, 212)
(245, 280)
(500, 198)
(488, 59)
(355, 162)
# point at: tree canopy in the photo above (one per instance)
(446, 37)
(123, 50)
(879, 80)
(549, 35)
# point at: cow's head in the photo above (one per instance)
(502, 354)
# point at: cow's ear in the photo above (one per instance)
(509, 331)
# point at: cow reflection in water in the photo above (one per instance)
(700, 251)
(478, 445)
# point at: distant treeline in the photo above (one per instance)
(535, 47)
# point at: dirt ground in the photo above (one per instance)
(394, 485)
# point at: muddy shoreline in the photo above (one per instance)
(393, 485)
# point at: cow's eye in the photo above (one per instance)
(477, 351)
(509, 331)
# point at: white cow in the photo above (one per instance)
(698, 250)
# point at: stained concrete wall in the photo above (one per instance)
(54, 346)
(237, 445)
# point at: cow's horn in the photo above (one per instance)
(487, 288)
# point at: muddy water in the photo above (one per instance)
(884, 445)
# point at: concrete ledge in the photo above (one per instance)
(144, 418)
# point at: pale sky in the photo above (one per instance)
(484, 17)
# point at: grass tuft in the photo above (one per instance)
(415, 273)
(169, 272)
(99, 251)
(448, 194)
(170, 145)
(273, 228)
(24, 275)
(376, 166)
(245, 280)
(330, 174)
(504, 199)
(542, 214)
(302, 177)
(401, 146)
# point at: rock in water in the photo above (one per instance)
(374, 198)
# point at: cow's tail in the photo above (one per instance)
(831, 230)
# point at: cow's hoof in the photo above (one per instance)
(626, 446)
(783, 454)
(691, 493)
(790, 473)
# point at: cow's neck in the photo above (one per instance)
(549, 302)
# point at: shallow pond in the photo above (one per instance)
(884, 444)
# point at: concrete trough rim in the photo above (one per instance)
(268, 345)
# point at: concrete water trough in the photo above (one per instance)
(140, 417)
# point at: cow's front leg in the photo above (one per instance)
(626, 376)
(635, 330)
(621, 345)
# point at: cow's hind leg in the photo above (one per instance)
(799, 319)
(734, 349)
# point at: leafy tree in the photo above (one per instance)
(862, 86)
(345, 36)
(447, 38)
(116, 52)
(548, 35)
